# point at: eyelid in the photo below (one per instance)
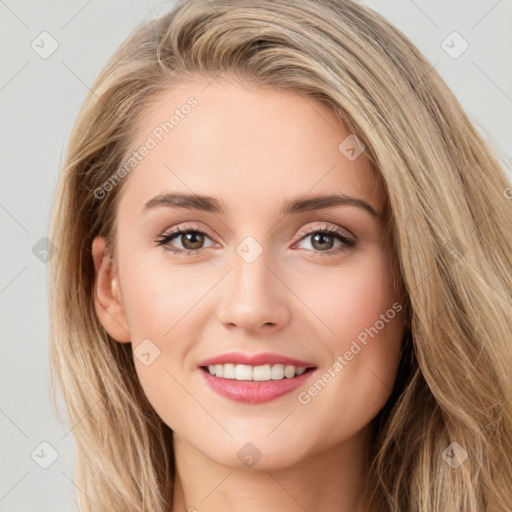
(181, 228)
(336, 229)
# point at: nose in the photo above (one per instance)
(255, 297)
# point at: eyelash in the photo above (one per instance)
(348, 243)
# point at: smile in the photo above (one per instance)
(255, 373)
(254, 384)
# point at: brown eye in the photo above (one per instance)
(192, 240)
(322, 241)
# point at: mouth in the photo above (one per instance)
(255, 385)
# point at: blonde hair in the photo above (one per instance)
(449, 217)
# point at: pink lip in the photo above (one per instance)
(255, 359)
(254, 392)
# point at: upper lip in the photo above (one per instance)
(255, 359)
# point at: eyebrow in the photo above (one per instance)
(295, 206)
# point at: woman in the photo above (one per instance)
(284, 272)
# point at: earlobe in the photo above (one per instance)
(107, 300)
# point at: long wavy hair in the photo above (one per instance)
(449, 218)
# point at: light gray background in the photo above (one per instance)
(39, 100)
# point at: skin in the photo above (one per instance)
(254, 148)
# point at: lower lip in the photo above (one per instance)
(254, 392)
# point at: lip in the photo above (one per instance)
(254, 360)
(254, 392)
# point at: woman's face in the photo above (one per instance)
(254, 273)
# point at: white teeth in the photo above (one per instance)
(264, 372)
(277, 372)
(228, 371)
(243, 372)
(289, 371)
(261, 372)
(218, 370)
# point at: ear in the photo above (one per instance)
(107, 297)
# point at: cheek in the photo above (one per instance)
(352, 297)
(169, 305)
(362, 324)
(157, 295)
(162, 304)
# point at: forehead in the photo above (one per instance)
(231, 140)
